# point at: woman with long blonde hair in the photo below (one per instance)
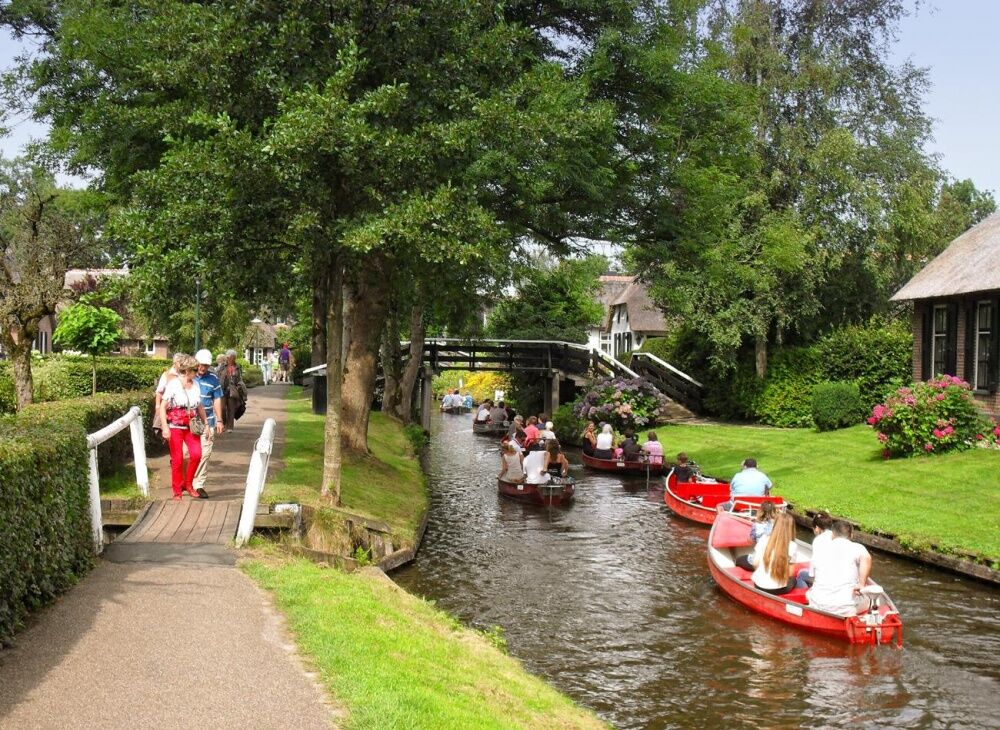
(774, 557)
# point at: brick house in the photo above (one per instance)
(956, 312)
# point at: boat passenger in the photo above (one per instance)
(684, 472)
(484, 412)
(605, 442)
(762, 525)
(555, 460)
(748, 482)
(516, 430)
(467, 401)
(510, 411)
(498, 414)
(531, 431)
(653, 449)
(841, 570)
(534, 468)
(511, 463)
(822, 522)
(774, 558)
(547, 434)
(631, 450)
(447, 401)
(589, 438)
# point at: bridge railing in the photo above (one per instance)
(679, 386)
(256, 475)
(133, 421)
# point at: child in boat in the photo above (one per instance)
(511, 464)
(684, 472)
(653, 449)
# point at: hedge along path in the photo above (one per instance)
(211, 521)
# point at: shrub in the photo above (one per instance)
(785, 399)
(58, 377)
(933, 417)
(876, 356)
(482, 385)
(622, 402)
(567, 425)
(45, 543)
(836, 405)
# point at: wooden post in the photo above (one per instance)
(425, 400)
(553, 403)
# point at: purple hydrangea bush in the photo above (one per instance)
(622, 402)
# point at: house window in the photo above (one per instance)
(606, 342)
(41, 343)
(150, 347)
(984, 335)
(939, 340)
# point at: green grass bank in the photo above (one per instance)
(950, 503)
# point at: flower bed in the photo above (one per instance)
(933, 417)
(622, 402)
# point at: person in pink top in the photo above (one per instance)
(653, 449)
(531, 431)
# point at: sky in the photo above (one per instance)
(955, 39)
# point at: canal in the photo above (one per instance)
(611, 601)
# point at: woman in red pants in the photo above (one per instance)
(180, 404)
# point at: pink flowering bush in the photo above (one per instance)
(931, 418)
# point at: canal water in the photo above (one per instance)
(611, 601)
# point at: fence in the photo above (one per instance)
(255, 481)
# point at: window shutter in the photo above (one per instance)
(926, 341)
(951, 340)
(994, 364)
(970, 341)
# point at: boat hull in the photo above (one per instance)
(884, 628)
(636, 468)
(554, 495)
(489, 429)
(697, 501)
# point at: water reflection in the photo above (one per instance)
(612, 602)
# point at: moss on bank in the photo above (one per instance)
(394, 661)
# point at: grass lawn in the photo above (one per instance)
(121, 485)
(387, 485)
(394, 661)
(950, 502)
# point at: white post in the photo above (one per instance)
(96, 522)
(139, 449)
(256, 475)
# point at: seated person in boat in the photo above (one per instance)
(631, 450)
(467, 401)
(498, 414)
(841, 570)
(516, 430)
(774, 558)
(684, 472)
(446, 402)
(547, 434)
(653, 449)
(762, 525)
(531, 431)
(535, 468)
(748, 482)
(511, 463)
(821, 524)
(483, 415)
(555, 460)
(605, 442)
(589, 438)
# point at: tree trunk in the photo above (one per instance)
(320, 295)
(760, 356)
(20, 357)
(367, 314)
(334, 316)
(392, 367)
(418, 334)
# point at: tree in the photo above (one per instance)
(40, 243)
(89, 329)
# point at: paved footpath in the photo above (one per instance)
(171, 644)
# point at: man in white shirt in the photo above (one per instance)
(841, 570)
(822, 522)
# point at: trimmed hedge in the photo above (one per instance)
(836, 405)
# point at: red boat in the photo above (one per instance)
(697, 501)
(636, 468)
(555, 494)
(730, 538)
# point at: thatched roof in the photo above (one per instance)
(612, 287)
(971, 263)
(643, 316)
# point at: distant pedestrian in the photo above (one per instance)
(211, 400)
(220, 363)
(234, 391)
(181, 403)
(284, 362)
(265, 369)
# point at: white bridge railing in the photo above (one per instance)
(132, 420)
(255, 481)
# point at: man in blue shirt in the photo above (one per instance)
(211, 398)
(748, 482)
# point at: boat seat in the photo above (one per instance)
(796, 595)
(730, 533)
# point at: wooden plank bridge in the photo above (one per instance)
(190, 521)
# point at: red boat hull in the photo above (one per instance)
(636, 468)
(551, 495)
(697, 501)
(731, 532)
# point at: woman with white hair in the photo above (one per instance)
(234, 390)
(605, 442)
(168, 375)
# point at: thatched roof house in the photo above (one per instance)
(633, 317)
(956, 312)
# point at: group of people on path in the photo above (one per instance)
(195, 403)
(277, 366)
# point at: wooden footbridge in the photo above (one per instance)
(189, 521)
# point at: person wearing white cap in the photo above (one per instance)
(211, 398)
